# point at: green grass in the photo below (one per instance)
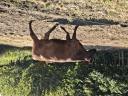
(21, 76)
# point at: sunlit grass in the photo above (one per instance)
(20, 75)
(13, 56)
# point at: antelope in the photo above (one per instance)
(57, 50)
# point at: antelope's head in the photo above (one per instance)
(86, 56)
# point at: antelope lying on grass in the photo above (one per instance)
(56, 50)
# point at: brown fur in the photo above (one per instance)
(56, 50)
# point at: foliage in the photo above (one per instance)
(21, 76)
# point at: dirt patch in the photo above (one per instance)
(92, 32)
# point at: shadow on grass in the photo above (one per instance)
(48, 77)
(4, 48)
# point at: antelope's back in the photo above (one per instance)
(56, 50)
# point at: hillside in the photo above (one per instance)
(100, 21)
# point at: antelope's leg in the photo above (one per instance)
(67, 34)
(48, 33)
(32, 34)
(74, 34)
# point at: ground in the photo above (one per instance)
(103, 24)
(99, 27)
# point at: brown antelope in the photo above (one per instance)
(56, 50)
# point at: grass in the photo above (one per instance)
(21, 76)
(107, 75)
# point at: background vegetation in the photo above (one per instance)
(21, 76)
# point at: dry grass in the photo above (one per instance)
(108, 9)
(74, 12)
